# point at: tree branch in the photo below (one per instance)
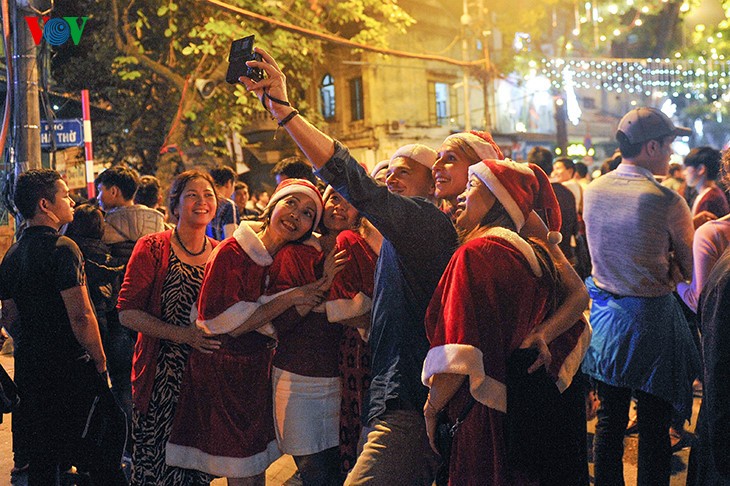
(128, 46)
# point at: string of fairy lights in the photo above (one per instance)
(700, 79)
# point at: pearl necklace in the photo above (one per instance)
(182, 245)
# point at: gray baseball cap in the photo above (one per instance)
(642, 124)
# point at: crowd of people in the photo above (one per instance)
(422, 322)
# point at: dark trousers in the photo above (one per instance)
(321, 468)
(654, 417)
(55, 406)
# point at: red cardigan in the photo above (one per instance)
(142, 290)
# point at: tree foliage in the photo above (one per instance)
(142, 58)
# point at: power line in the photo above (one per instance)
(340, 41)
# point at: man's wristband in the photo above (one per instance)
(288, 118)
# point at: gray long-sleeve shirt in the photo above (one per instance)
(636, 227)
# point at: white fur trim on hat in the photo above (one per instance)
(483, 149)
(425, 156)
(486, 175)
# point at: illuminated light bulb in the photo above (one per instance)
(603, 38)
(576, 31)
(616, 32)
(684, 7)
(644, 9)
(638, 22)
(633, 102)
(677, 55)
(629, 2)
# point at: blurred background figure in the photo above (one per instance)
(226, 218)
(241, 197)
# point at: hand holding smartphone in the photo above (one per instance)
(242, 51)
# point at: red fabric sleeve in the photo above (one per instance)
(137, 288)
(359, 272)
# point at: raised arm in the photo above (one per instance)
(316, 145)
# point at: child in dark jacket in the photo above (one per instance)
(101, 268)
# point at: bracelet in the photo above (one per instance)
(288, 118)
(276, 100)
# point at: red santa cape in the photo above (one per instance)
(490, 297)
(223, 423)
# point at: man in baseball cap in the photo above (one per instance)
(640, 240)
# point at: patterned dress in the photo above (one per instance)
(151, 431)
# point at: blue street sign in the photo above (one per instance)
(69, 133)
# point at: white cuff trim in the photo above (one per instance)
(574, 359)
(462, 359)
(229, 319)
(341, 309)
(230, 467)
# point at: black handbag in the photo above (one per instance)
(444, 437)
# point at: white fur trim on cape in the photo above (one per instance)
(574, 359)
(462, 359)
(228, 320)
(230, 467)
(341, 309)
(520, 245)
(252, 245)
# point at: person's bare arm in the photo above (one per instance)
(84, 324)
(10, 317)
(148, 324)
(317, 146)
(443, 388)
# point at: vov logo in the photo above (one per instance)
(56, 30)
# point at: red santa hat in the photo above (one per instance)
(298, 186)
(481, 142)
(521, 188)
(425, 156)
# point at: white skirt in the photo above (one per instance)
(306, 412)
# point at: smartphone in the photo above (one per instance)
(242, 51)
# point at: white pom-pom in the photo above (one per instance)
(554, 237)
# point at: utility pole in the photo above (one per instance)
(485, 26)
(465, 22)
(26, 112)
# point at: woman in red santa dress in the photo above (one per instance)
(223, 424)
(307, 374)
(494, 298)
(349, 303)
